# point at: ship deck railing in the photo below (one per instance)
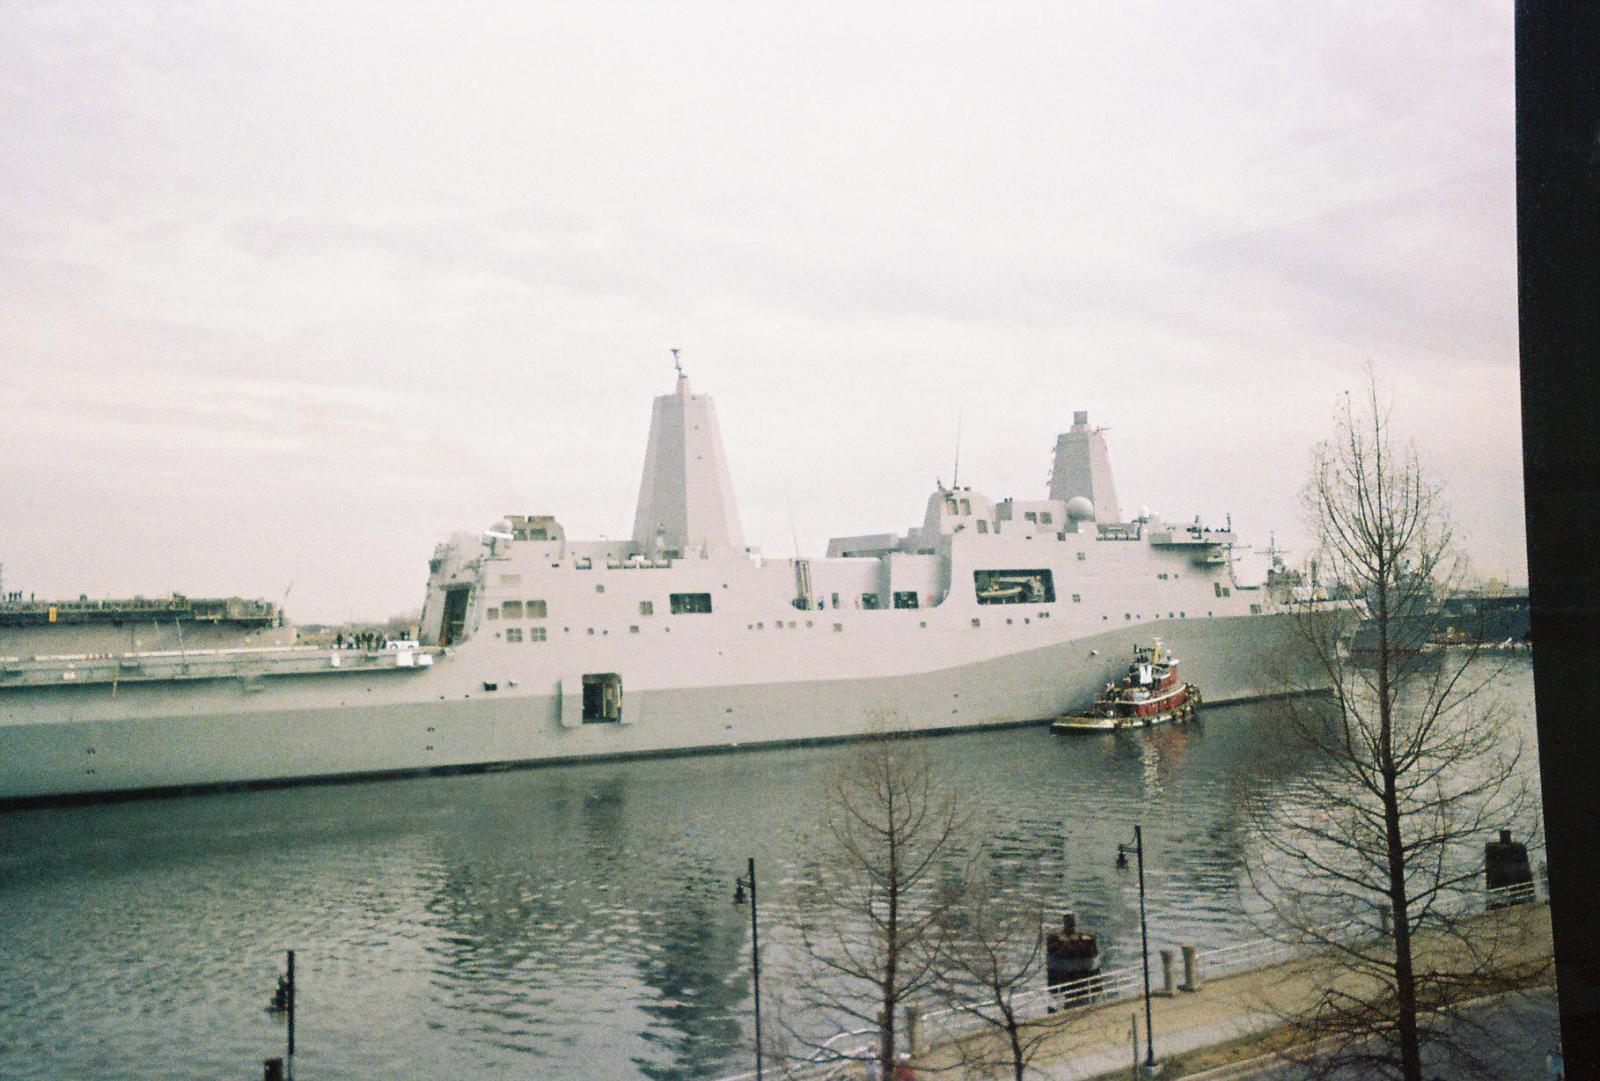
(229, 651)
(247, 663)
(231, 609)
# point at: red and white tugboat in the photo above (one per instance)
(1151, 693)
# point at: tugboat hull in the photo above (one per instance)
(1092, 722)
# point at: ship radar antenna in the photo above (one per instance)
(794, 534)
(676, 363)
(955, 481)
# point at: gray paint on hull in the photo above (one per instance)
(1228, 658)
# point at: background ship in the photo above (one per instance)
(536, 648)
(137, 625)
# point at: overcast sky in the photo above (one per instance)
(290, 292)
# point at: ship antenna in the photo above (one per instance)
(955, 481)
(793, 534)
(676, 363)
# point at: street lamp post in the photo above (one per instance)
(1144, 946)
(283, 1005)
(748, 880)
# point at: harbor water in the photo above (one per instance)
(573, 921)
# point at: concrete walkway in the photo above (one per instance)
(1096, 1042)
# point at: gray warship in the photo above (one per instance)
(536, 648)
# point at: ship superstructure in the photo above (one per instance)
(680, 637)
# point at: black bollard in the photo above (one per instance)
(273, 1070)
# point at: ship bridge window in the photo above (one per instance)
(513, 634)
(966, 506)
(690, 603)
(906, 598)
(870, 601)
(494, 613)
(511, 609)
(983, 526)
(1015, 586)
(602, 698)
(647, 608)
(1031, 516)
(537, 610)
(1044, 517)
(536, 634)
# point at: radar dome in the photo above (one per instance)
(1079, 509)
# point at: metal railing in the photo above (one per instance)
(848, 1051)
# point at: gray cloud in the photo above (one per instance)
(342, 279)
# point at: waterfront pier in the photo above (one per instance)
(1233, 1022)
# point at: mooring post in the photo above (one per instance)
(1168, 987)
(1191, 970)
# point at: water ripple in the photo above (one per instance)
(575, 921)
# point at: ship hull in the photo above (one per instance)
(85, 742)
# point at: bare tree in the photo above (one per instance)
(1405, 771)
(993, 961)
(868, 942)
